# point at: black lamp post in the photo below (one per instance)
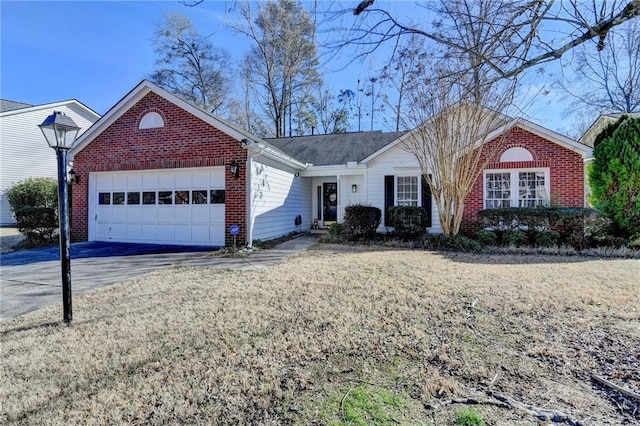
(60, 132)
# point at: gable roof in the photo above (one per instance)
(505, 124)
(145, 87)
(7, 105)
(589, 136)
(335, 148)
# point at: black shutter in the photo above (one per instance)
(426, 198)
(388, 198)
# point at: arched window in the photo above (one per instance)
(515, 154)
(151, 120)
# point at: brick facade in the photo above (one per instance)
(184, 141)
(566, 171)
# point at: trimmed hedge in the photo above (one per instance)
(538, 226)
(361, 222)
(408, 222)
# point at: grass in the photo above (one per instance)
(336, 335)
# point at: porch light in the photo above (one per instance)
(234, 168)
(60, 132)
(73, 177)
(354, 188)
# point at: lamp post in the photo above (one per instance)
(60, 132)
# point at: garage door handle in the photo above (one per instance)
(95, 217)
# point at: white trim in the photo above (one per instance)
(50, 106)
(515, 183)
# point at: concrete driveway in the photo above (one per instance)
(31, 279)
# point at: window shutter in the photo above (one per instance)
(388, 197)
(426, 198)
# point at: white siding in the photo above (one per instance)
(276, 197)
(394, 162)
(24, 152)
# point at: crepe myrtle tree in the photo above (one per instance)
(523, 33)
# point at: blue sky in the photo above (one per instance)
(97, 51)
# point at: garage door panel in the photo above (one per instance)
(149, 232)
(119, 214)
(165, 181)
(134, 215)
(119, 182)
(149, 214)
(150, 181)
(216, 179)
(182, 214)
(130, 209)
(134, 231)
(165, 214)
(134, 182)
(200, 214)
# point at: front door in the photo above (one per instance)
(329, 202)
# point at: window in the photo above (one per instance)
(118, 198)
(149, 197)
(217, 196)
(104, 198)
(498, 190)
(516, 188)
(133, 198)
(407, 191)
(199, 197)
(182, 197)
(165, 197)
(532, 192)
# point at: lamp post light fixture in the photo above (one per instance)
(234, 168)
(60, 132)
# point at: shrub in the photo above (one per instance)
(408, 222)
(468, 417)
(487, 238)
(334, 234)
(34, 203)
(614, 176)
(361, 222)
(450, 242)
(538, 226)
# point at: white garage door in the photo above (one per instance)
(183, 206)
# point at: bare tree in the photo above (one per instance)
(450, 137)
(189, 65)
(522, 33)
(283, 59)
(606, 80)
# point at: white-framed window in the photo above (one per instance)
(407, 191)
(516, 188)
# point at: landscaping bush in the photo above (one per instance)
(450, 242)
(408, 222)
(334, 234)
(361, 222)
(614, 176)
(538, 226)
(34, 203)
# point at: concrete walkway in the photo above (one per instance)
(31, 279)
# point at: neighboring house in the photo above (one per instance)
(157, 169)
(601, 122)
(24, 150)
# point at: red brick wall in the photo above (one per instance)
(184, 141)
(566, 171)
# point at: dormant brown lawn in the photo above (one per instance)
(336, 335)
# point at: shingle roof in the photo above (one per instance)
(334, 149)
(7, 105)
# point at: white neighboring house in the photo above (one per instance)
(601, 122)
(24, 152)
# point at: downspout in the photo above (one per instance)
(249, 172)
